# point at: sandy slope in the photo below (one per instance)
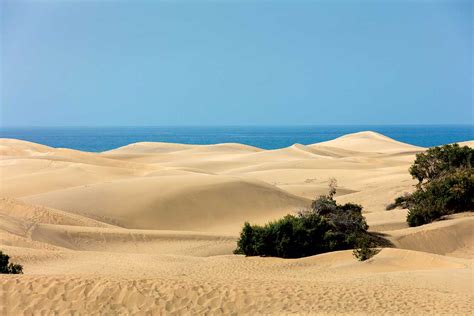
(190, 202)
(369, 142)
(152, 226)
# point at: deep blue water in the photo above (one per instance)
(105, 138)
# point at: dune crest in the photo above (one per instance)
(369, 142)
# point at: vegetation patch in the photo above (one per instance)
(445, 184)
(365, 248)
(326, 226)
(7, 267)
(403, 201)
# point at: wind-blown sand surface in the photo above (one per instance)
(150, 227)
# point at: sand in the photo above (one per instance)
(150, 228)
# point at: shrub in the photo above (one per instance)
(9, 268)
(440, 160)
(289, 237)
(250, 240)
(15, 268)
(445, 184)
(364, 248)
(327, 226)
(403, 201)
(445, 195)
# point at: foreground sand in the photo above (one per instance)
(151, 227)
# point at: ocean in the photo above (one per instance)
(96, 139)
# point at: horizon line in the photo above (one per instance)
(231, 125)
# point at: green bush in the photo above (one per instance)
(289, 237)
(364, 248)
(437, 161)
(445, 184)
(327, 226)
(9, 268)
(403, 201)
(448, 194)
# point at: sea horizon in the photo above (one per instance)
(97, 139)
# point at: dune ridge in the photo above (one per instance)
(152, 226)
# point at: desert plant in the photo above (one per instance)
(325, 227)
(250, 241)
(332, 187)
(448, 194)
(440, 160)
(15, 268)
(289, 237)
(403, 201)
(9, 268)
(445, 184)
(364, 248)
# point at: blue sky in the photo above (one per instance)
(97, 63)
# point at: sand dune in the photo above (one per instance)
(19, 220)
(193, 202)
(17, 147)
(152, 227)
(453, 237)
(387, 221)
(56, 176)
(160, 148)
(134, 241)
(369, 142)
(42, 215)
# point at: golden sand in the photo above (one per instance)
(150, 227)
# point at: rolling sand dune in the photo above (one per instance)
(16, 147)
(453, 237)
(193, 202)
(150, 227)
(369, 142)
(58, 176)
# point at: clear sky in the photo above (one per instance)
(95, 63)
